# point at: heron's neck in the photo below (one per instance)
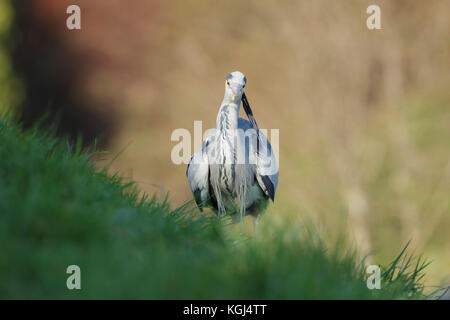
(227, 118)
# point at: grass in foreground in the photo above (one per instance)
(58, 209)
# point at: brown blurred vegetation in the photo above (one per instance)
(364, 116)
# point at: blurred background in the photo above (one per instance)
(364, 115)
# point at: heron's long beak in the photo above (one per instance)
(249, 112)
(251, 118)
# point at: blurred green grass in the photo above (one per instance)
(57, 209)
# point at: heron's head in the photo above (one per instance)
(234, 85)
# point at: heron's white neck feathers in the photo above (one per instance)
(227, 118)
(230, 98)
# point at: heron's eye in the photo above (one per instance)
(228, 83)
(243, 86)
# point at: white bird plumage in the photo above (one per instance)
(235, 171)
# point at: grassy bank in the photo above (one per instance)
(58, 209)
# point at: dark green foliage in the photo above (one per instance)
(58, 209)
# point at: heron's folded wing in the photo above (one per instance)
(262, 156)
(197, 174)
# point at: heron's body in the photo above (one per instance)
(235, 171)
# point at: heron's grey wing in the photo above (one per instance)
(261, 154)
(197, 173)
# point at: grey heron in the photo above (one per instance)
(235, 172)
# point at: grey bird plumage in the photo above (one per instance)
(235, 171)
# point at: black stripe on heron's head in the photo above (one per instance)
(230, 76)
